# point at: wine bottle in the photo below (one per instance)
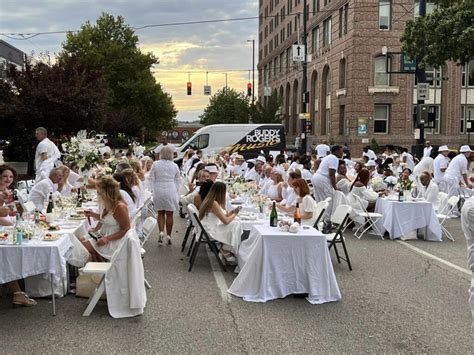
(50, 207)
(297, 214)
(400, 194)
(273, 216)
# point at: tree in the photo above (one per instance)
(226, 106)
(268, 111)
(137, 101)
(444, 35)
(65, 98)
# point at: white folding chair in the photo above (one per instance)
(370, 220)
(443, 217)
(321, 208)
(101, 269)
(340, 218)
(443, 202)
(147, 229)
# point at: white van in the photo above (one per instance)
(245, 139)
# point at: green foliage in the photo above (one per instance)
(268, 111)
(375, 146)
(65, 98)
(444, 35)
(137, 101)
(226, 106)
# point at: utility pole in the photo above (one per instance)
(421, 78)
(253, 75)
(304, 141)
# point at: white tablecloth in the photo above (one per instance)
(275, 264)
(401, 218)
(33, 258)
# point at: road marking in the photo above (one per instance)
(219, 277)
(434, 257)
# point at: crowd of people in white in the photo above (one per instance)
(330, 172)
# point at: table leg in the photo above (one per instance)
(53, 297)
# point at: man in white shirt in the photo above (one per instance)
(457, 171)
(46, 154)
(240, 166)
(427, 150)
(425, 165)
(255, 173)
(428, 190)
(322, 150)
(407, 158)
(467, 224)
(40, 192)
(440, 164)
(369, 153)
(324, 180)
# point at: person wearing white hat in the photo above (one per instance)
(240, 166)
(255, 173)
(440, 164)
(371, 166)
(275, 189)
(213, 171)
(457, 171)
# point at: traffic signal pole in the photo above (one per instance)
(304, 141)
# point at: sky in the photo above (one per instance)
(214, 48)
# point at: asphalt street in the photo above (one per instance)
(395, 300)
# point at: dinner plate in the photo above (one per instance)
(76, 218)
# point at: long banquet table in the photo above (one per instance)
(274, 264)
(401, 218)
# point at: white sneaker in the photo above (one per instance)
(160, 238)
(168, 239)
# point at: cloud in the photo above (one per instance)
(200, 47)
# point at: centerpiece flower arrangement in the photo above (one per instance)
(378, 184)
(82, 150)
(241, 186)
(405, 185)
(391, 181)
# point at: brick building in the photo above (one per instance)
(352, 98)
(10, 55)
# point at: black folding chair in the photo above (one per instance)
(204, 238)
(340, 218)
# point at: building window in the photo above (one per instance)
(342, 120)
(282, 54)
(288, 56)
(381, 117)
(275, 66)
(381, 77)
(327, 32)
(468, 72)
(342, 73)
(385, 13)
(433, 76)
(315, 7)
(430, 7)
(343, 12)
(315, 38)
(467, 117)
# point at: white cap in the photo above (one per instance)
(443, 148)
(251, 161)
(465, 149)
(371, 163)
(238, 157)
(261, 159)
(212, 169)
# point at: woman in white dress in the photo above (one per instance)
(360, 188)
(114, 222)
(343, 183)
(64, 187)
(306, 203)
(165, 180)
(274, 191)
(128, 196)
(7, 183)
(221, 224)
(136, 186)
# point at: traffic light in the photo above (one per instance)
(249, 89)
(189, 87)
